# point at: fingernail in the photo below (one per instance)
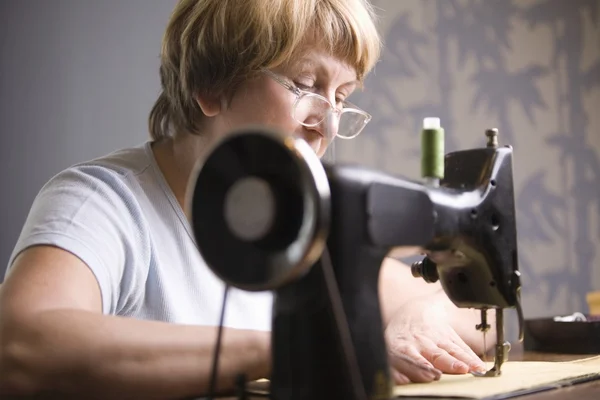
(437, 374)
(432, 373)
(459, 365)
(480, 368)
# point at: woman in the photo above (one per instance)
(106, 295)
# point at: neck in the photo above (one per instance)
(176, 157)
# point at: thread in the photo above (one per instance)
(432, 149)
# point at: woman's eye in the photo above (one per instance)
(340, 99)
(304, 85)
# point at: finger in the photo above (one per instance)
(460, 342)
(472, 359)
(400, 378)
(413, 365)
(443, 361)
(465, 355)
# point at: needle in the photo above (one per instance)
(484, 348)
(483, 327)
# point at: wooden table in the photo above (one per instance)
(583, 391)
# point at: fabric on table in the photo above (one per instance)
(517, 377)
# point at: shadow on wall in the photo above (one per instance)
(529, 68)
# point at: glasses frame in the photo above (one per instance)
(299, 93)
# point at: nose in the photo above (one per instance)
(322, 135)
(331, 125)
(328, 127)
(318, 114)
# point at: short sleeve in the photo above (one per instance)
(91, 212)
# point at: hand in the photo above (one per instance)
(420, 332)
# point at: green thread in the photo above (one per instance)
(432, 153)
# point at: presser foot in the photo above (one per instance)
(501, 357)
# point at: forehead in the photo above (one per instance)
(319, 61)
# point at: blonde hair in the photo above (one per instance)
(211, 46)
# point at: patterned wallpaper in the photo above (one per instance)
(530, 68)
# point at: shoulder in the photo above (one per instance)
(121, 167)
(103, 194)
(110, 181)
(92, 210)
(125, 162)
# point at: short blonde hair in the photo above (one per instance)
(211, 46)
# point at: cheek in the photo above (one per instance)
(276, 113)
(266, 109)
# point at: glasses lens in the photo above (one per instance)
(311, 109)
(351, 124)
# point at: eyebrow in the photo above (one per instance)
(307, 62)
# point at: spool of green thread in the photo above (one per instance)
(432, 149)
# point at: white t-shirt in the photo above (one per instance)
(118, 215)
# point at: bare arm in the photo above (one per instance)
(397, 286)
(55, 340)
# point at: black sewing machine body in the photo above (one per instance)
(466, 228)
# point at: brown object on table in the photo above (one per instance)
(593, 301)
(575, 334)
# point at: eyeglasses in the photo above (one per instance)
(311, 109)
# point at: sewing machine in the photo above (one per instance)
(269, 215)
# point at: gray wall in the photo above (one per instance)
(77, 78)
(528, 67)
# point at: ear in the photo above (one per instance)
(210, 106)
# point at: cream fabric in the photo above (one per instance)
(516, 376)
